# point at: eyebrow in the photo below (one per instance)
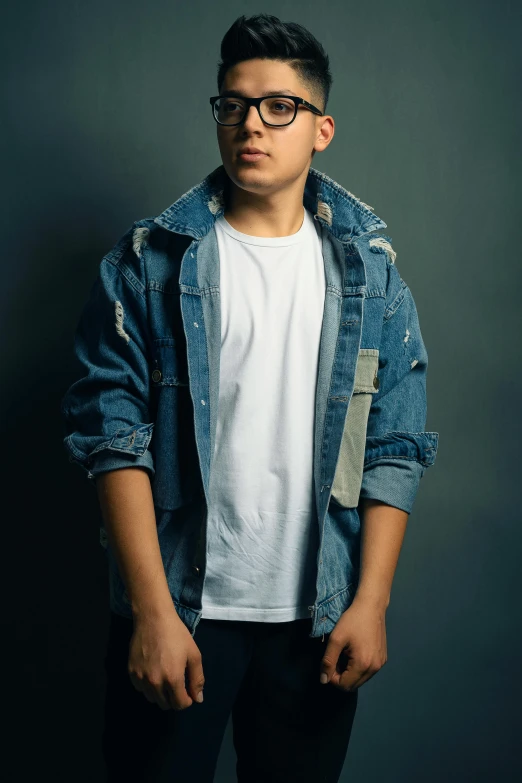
(238, 94)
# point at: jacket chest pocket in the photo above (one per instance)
(169, 368)
(349, 472)
(175, 452)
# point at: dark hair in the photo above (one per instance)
(266, 36)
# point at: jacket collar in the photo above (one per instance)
(338, 210)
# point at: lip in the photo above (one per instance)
(252, 156)
(250, 149)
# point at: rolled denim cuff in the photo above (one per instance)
(106, 460)
(394, 482)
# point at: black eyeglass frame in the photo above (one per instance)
(257, 103)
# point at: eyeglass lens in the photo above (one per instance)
(276, 111)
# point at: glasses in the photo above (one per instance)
(275, 110)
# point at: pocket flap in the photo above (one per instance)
(170, 367)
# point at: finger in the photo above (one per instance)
(178, 696)
(136, 682)
(365, 677)
(358, 678)
(153, 692)
(195, 676)
(346, 681)
(361, 682)
(142, 686)
(346, 671)
(329, 660)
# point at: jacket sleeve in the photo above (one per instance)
(106, 410)
(398, 450)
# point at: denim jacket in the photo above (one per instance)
(148, 345)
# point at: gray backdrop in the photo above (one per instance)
(428, 130)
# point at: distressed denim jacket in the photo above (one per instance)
(148, 344)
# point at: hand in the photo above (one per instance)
(160, 650)
(356, 649)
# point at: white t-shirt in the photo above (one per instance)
(262, 537)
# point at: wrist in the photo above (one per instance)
(372, 599)
(152, 607)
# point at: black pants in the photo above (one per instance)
(287, 726)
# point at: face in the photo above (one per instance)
(288, 149)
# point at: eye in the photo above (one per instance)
(278, 106)
(281, 106)
(229, 106)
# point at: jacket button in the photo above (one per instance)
(195, 570)
(376, 382)
(156, 376)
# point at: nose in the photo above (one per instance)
(252, 118)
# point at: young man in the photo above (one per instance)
(252, 412)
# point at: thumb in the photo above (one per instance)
(195, 677)
(329, 661)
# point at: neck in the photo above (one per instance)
(276, 214)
